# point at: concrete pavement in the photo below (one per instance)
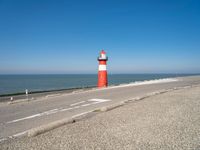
(16, 119)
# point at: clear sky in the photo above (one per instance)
(65, 36)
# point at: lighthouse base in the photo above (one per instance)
(102, 79)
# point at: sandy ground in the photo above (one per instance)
(166, 121)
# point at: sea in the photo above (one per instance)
(14, 84)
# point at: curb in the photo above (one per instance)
(44, 128)
(107, 108)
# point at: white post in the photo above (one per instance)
(26, 93)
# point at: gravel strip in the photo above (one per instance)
(166, 121)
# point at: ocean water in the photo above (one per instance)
(10, 84)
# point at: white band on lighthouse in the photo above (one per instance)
(102, 67)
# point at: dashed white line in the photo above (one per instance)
(77, 103)
(19, 134)
(53, 111)
(49, 112)
(81, 114)
(25, 118)
(86, 105)
(33, 116)
(98, 100)
(94, 101)
(13, 136)
(65, 109)
(76, 107)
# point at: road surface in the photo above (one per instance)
(17, 118)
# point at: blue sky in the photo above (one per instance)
(62, 36)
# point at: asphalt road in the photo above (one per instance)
(16, 119)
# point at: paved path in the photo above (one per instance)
(16, 119)
(166, 121)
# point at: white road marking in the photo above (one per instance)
(94, 101)
(33, 116)
(19, 134)
(24, 132)
(77, 103)
(52, 95)
(65, 109)
(86, 105)
(81, 114)
(25, 118)
(49, 112)
(53, 111)
(76, 107)
(98, 100)
(13, 136)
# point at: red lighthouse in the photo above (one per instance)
(102, 74)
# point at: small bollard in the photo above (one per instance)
(26, 91)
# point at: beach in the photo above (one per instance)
(165, 121)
